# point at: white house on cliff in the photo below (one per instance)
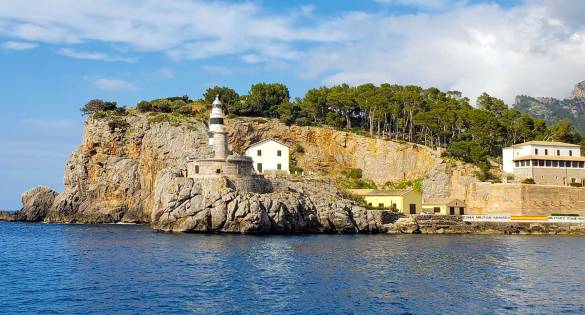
(269, 156)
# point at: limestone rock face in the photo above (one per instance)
(579, 90)
(330, 151)
(36, 203)
(111, 176)
(210, 205)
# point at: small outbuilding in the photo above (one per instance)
(444, 206)
(269, 156)
(407, 201)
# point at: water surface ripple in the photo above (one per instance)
(127, 269)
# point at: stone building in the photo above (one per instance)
(547, 163)
(269, 156)
(223, 162)
(444, 206)
(406, 201)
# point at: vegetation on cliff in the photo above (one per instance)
(401, 113)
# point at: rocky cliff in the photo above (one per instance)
(132, 169)
(326, 150)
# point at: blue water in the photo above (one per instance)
(131, 269)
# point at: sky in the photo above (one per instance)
(56, 55)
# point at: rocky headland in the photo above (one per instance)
(135, 172)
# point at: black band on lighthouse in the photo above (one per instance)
(216, 121)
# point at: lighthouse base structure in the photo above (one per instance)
(236, 166)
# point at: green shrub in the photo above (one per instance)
(97, 105)
(415, 184)
(355, 173)
(354, 183)
(299, 148)
(576, 185)
(296, 169)
(528, 181)
(118, 123)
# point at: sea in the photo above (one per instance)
(131, 269)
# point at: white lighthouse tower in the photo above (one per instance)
(216, 119)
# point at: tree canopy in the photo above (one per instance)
(402, 113)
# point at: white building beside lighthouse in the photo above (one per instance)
(269, 156)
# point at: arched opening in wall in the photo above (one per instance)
(218, 171)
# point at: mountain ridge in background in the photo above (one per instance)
(552, 110)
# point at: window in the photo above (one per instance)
(522, 163)
(196, 169)
(545, 151)
(535, 151)
(548, 163)
(259, 167)
(369, 203)
(217, 171)
(437, 209)
(461, 210)
(575, 164)
(412, 208)
(555, 163)
(452, 210)
(259, 153)
(541, 163)
(581, 164)
(278, 153)
(278, 166)
(561, 163)
(380, 205)
(570, 152)
(517, 163)
(558, 152)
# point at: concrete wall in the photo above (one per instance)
(228, 167)
(521, 199)
(550, 176)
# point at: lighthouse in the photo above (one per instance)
(222, 162)
(216, 119)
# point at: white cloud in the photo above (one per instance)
(181, 28)
(425, 4)
(93, 55)
(505, 52)
(113, 85)
(535, 47)
(12, 45)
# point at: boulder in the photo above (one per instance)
(36, 203)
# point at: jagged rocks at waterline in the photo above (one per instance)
(210, 205)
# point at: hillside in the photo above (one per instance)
(553, 110)
(131, 169)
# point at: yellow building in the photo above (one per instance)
(402, 200)
(444, 206)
